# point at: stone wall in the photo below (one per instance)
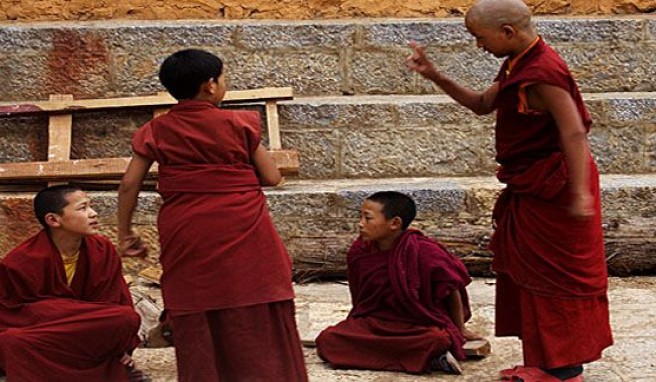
(42, 10)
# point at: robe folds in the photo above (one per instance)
(219, 247)
(226, 277)
(50, 331)
(399, 320)
(552, 269)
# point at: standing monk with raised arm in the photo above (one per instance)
(548, 242)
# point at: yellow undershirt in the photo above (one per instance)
(70, 265)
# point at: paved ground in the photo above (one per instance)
(632, 358)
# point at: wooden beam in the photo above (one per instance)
(60, 128)
(104, 168)
(273, 127)
(164, 99)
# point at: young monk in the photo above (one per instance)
(65, 311)
(548, 243)
(226, 278)
(408, 292)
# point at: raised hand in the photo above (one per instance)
(418, 61)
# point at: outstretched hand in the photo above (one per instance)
(132, 246)
(418, 61)
(471, 335)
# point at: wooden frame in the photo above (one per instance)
(60, 107)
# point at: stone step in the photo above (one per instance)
(318, 219)
(373, 136)
(366, 56)
(418, 136)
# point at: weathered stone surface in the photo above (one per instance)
(466, 150)
(307, 72)
(23, 139)
(611, 67)
(296, 35)
(619, 149)
(625, 196)
(338, 113)
(104, 59)
(398, 33)
(318, 152)
(594, 30)
(93, 131)
(634, 108)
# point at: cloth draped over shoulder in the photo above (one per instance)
(219, 247)
(536, 241)
(56, 332)
(408, 284)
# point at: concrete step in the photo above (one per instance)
(373, 136)
(106, 59)
(318, 220)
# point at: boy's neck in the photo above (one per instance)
(68, 244)
(387, 243)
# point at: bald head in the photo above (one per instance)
(496, 13)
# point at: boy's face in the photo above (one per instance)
(492, 40)
(374, 226)
(77, 217)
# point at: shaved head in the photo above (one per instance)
(496, 13)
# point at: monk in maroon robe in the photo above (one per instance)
(409, 299)
(548, 243)
(226, 278)
(65, 311)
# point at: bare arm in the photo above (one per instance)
(266, 167)
(574, 141)
(128, 193)
(478, 102)
(457, 315)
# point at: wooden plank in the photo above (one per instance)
(105, 168)
(164, 99)
(273, 127)
(160, 110)
(477, 349)
(60, 128)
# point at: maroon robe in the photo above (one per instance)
(220, 253)
(50, 331)
(552, 284)
(399, 320)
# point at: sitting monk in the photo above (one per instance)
(409, 299)
(65, 311)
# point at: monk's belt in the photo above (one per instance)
(207, 179)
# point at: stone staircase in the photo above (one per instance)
(361, 121)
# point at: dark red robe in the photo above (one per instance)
(552, 281)
(220, 252)
(399, 320)
(50, 331)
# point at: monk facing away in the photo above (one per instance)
(548, 242)
(226, 278)
(408, 292)
(65, 311)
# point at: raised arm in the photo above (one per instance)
(479, 102)
(128, 193)
(574, 140)
(266, 167)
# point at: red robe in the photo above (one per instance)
(399, 320)
(222, 258)
(50, 331)
(552, 281)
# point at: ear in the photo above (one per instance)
(52, 220)
(208, 86)
(396, 223)
(508, 30)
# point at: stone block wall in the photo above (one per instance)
(104, 60)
